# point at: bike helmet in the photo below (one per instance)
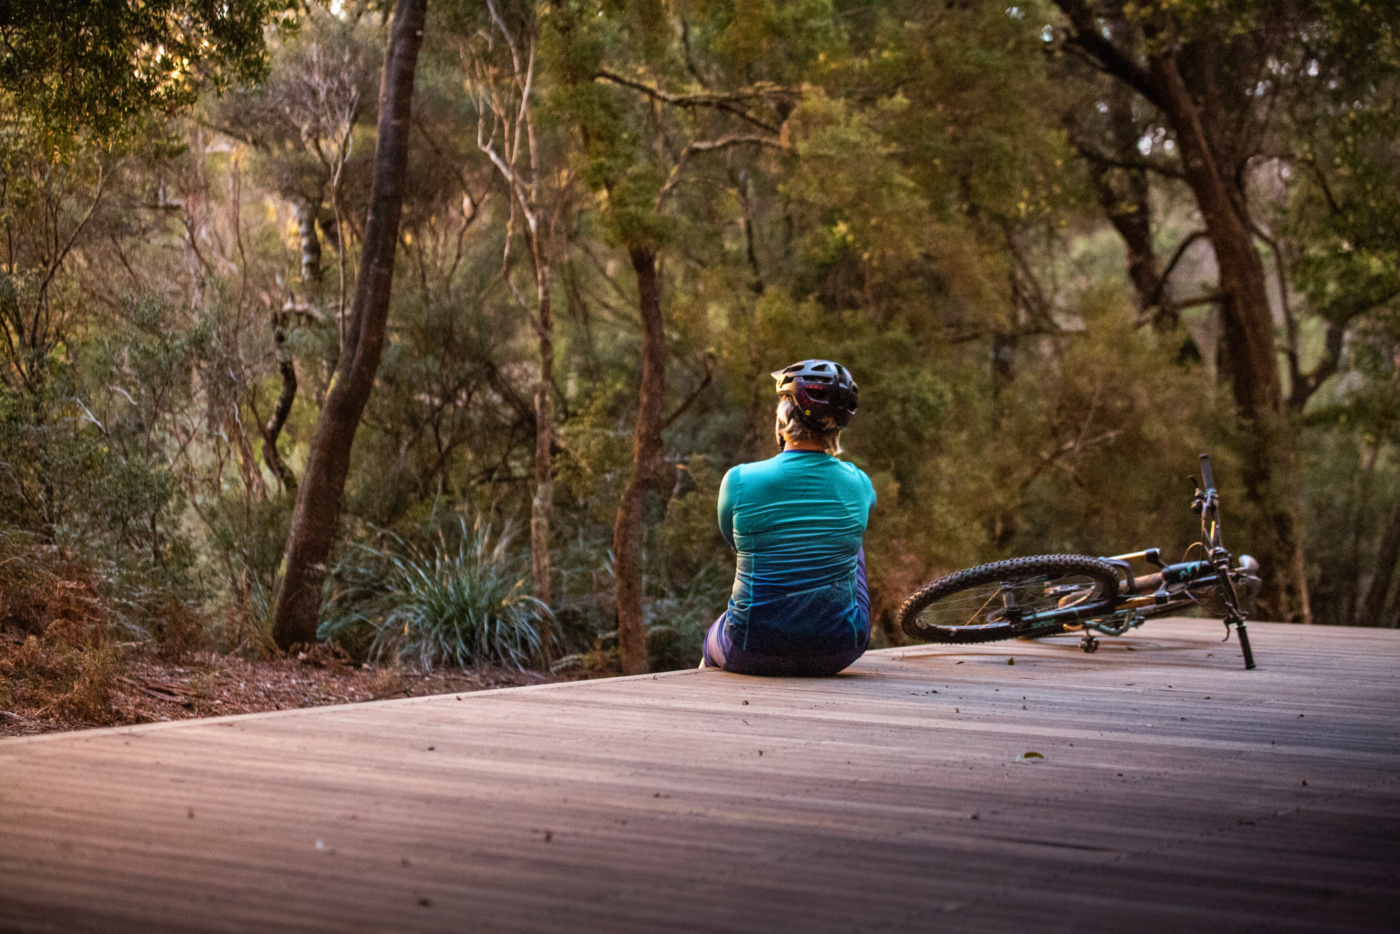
(824, 392)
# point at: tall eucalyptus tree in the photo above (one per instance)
(317, 513)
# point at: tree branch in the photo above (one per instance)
(103, 177)
(728, 103)
(1326, 366)
(724, 142)
(1210, 298)
(704, 384)
(1181, 249)
(1104, 160)
(1088, 36)
(1298, 386)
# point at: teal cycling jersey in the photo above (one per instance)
(796, 522)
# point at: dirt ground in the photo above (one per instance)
(143, 687)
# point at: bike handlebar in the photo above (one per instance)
(1207, 478)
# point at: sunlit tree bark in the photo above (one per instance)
(317, 512)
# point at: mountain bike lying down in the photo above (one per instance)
(1048, 594)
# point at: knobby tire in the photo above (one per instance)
(1015, 569)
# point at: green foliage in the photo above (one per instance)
(460, 600)
(678, 617)
(1345, 207)
(691, 579)
(77, 70)
(1349, 474)
(906, 202)
(1106, 436)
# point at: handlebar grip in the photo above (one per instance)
(1207, 478)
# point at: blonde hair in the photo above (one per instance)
(790, 426)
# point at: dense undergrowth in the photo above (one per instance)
(84, 643)
(66, 628)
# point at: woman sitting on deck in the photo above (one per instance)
(800, 604)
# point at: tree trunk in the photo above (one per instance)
(542, 506)
(1272, 482)
(317, 510)
(646, 452)
(306, 212)
(1127, 206)
(1373, 607)
(1122, 187)
(286, 366)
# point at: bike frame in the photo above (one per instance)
(1167, 590)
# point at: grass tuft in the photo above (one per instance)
(461, 601)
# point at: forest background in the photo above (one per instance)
(1063, 247)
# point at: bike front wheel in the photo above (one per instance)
(1006, 599)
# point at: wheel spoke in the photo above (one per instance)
(1008, 603)
(1007, 598)
(977, 612)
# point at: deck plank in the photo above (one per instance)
(1170, 797)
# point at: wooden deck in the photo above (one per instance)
(1177, 792)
